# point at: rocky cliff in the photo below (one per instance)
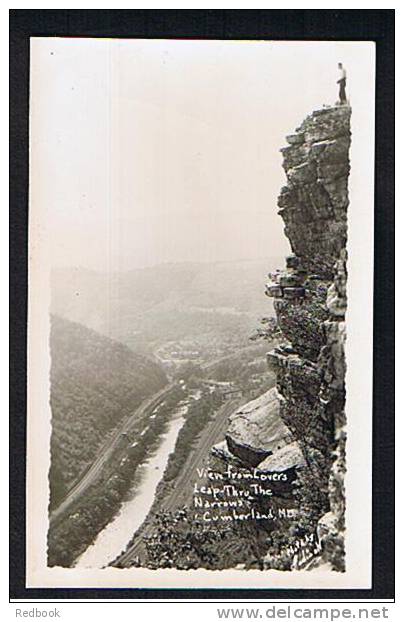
(300, 425)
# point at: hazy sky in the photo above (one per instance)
(145, 152)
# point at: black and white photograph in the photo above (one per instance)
(200, 313)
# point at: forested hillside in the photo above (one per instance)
(95, 384)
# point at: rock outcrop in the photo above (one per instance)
(256, 430)
(310, 302)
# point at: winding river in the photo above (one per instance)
(116, 535)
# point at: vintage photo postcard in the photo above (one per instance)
(200, 313)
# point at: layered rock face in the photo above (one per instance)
(310, 303)
(314, 202)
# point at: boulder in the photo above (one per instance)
(285, 459)
(256, 430)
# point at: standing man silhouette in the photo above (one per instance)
(342, 83)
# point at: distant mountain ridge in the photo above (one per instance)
(146, 298)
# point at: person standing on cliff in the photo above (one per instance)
(342, 84)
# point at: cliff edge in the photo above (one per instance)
(310, 302)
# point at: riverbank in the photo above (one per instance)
(77, 528)
(204, 425)
(114, 537)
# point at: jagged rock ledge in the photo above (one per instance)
(310, 303)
